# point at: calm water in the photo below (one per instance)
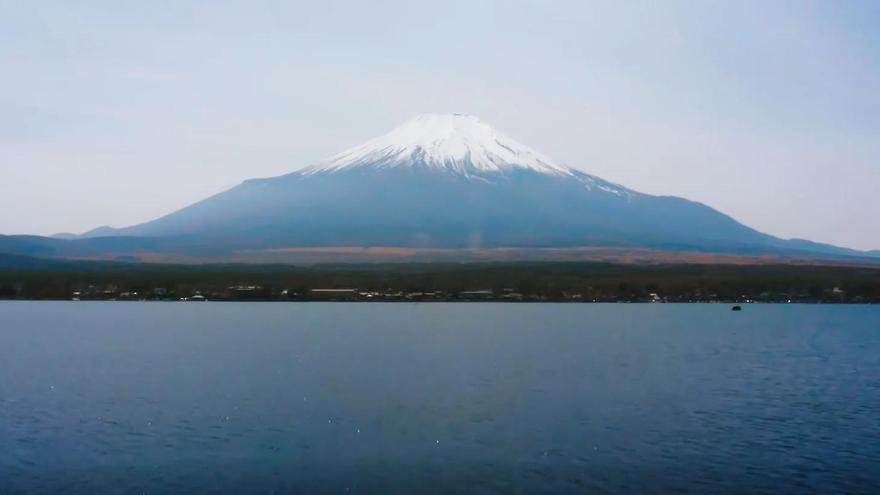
(438, 398)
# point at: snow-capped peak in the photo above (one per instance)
(453, 142)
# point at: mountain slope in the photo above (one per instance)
(423, 208)
(449, 181)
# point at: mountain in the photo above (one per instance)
(445, 181)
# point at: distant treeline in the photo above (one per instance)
(28, 278)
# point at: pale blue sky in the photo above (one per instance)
(116, 112)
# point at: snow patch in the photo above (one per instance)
(453, 142)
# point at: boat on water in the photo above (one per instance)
(736, 308)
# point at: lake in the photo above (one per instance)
(114, 397)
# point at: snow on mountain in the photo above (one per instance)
(458, 143)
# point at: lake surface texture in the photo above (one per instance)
(103, 397)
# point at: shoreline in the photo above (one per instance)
(453, 301)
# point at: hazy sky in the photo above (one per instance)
(116, 112)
